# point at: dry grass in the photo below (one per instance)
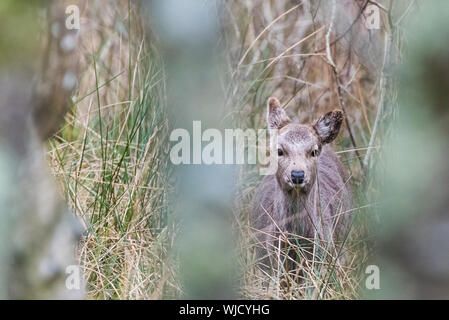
(279, 48)
(111, 157)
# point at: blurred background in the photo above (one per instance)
(86, 115)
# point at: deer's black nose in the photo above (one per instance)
(297, 177)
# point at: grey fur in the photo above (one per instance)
(282, 207)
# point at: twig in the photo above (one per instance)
(328, 34)
(362, 9)
(377, 4)
(264, 30)
(348, 125)
(337, 81)
(383, 84)
(405, 13)
(381, 98)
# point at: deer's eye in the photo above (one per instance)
(314, 153)
(280, 152)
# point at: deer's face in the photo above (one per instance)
(298, 149)
(299, 146)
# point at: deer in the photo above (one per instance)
(308, 196)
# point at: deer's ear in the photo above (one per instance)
(328, 126)
(276, 115)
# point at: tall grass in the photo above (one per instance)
(277, 48)
(111, 158)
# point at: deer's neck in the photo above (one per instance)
(296, 201)
(298, 211)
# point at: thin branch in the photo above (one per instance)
(337, 81)
(377, 4)
(383, 84)
(328, 34)
(362, 9)
(383, 88)
(405, 13)
(341, 103)
(264, 30)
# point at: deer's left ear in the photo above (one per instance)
(328, 126)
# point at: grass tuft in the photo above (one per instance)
(111, 158)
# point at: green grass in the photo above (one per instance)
(111, 159)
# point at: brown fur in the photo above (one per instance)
(281, 206)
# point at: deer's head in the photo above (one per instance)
(299, 145)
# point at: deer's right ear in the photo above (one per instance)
(276, 115)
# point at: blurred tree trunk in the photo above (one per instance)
(38, 234)
(189, 31)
